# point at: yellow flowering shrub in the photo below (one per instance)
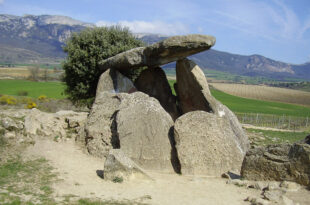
(31, 105)
(9, 100)
(42, 98)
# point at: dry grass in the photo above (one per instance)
(21, 72)
(265, 93)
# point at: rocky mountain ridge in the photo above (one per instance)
(35, 39)
(39, 39)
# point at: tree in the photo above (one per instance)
(34, 72)
(85, 50)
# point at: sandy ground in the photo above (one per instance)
(79, 173)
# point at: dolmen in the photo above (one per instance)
(191, 133)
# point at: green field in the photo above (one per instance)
(229, 77)
(244, 105)
(34, 89)
(236, 104)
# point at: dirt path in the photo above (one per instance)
(268, 128)
(78, 171)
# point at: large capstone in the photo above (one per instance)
(206, 144)
(282, 162)
(166, 51)
(153, 81)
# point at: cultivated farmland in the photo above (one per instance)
(265, 93)
(33, 89)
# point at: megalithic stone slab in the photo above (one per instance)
(191, 86)
(166, 51)
(153, 81)
(206, 144)
(194, 94)
(114, 82)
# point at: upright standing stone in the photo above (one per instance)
(194, 94)
(114, 82)
(191, 87)
(99, 125)
(153, 81)
(144, 132)
(206, 144)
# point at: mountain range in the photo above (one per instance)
(39, 39)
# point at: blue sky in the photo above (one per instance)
(278, 29)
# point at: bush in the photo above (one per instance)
(9, 100)
(31, 105)
(85, 50)
(22, 93)
(42, 98)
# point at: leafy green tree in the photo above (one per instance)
(85, 50)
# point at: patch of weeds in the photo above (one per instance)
(107, 202)
(3, 141)
(267, 137)
(31, 178)
(56, 138)
(70, 132)
(22, 93)
(117, 179)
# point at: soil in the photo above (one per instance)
(79, 173)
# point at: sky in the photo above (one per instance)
(277, 29)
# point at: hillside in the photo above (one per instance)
(35, 39)
(39, 39)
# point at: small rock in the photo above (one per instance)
(260, 185)
(273, 195)
(225, 175)
(256, 201)
(290, 186)
(10, 135)
(273, 185)
(119, 166)
(10, 124)
(286, 201)
(239, 183)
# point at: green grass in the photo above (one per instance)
(244, 105)
(46, 65)
(32, 178)
(171, 83)
(275, 137)
(34, 89)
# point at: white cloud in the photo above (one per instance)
(1, 1)
(157, 27)
(273, 20)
